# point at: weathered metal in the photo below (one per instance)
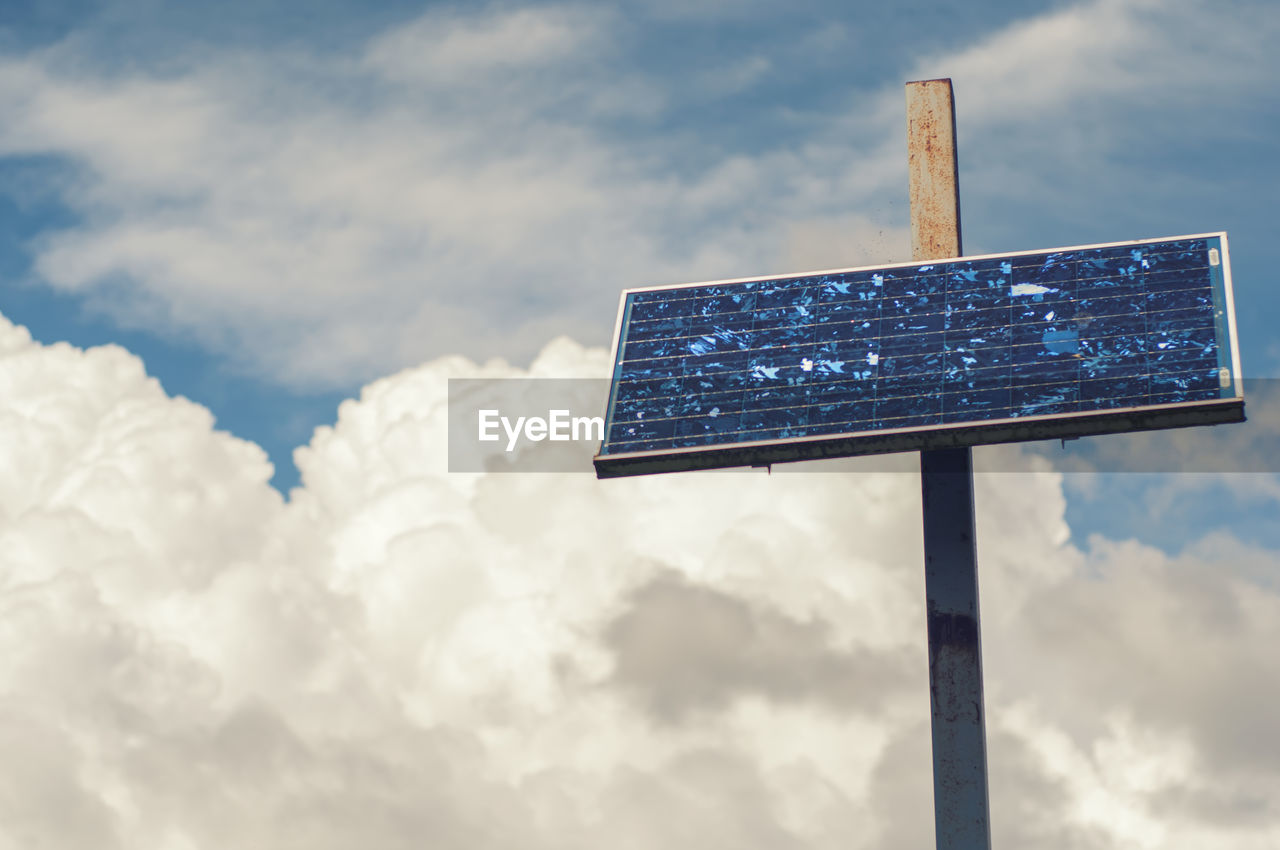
(931, 170)
(961, 809)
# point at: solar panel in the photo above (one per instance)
(999, 348)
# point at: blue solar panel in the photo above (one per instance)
(1060, 343)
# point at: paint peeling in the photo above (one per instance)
(1062, 342)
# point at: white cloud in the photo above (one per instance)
(510, 660)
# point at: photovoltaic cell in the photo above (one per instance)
(1060, 343)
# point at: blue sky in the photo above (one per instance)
(302, 217)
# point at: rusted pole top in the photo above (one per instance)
(931, 170)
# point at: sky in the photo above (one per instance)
(245, 602)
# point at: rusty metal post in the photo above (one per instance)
(961, 811)
(931, 170)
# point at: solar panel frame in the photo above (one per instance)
(913, 437)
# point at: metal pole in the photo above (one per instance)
(961, 812)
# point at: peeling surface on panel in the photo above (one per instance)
(980, 340)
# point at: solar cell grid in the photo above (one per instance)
(934, 345)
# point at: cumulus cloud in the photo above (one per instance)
(681, 647)
(399, 654)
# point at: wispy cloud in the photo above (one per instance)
(482, 181)
(447, 48)
(456, 185)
